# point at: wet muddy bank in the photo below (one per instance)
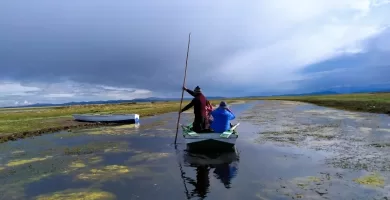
(56, 124)
(353, 147)
(67, 125)
(363, 105)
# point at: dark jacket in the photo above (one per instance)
(199, 104)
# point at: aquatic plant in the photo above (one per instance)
(94, 147)
(17, 162)
(116, 130)
(77, 164)
(18, 152)
(95, 159)
(78, 194)
(118, 148)
(148, 156)
(367, 102)
(373, 179)
(107, 173)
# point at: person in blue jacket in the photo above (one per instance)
(222, 115)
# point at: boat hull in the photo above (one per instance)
(209, 141)
(129, 118)
(211, 144)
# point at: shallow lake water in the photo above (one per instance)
(286, 150)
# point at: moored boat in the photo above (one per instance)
(210, 140)
(116, 118)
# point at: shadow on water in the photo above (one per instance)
(223, 165)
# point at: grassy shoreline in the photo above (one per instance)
(27, 122)
(364, 102)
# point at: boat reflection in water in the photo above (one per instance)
(223, 165)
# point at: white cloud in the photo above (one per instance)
(315, 31)
(65, 92)
(9, 88)
(59, 95)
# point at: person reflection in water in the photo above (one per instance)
(224, 172)
(202, 182)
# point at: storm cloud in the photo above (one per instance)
(70, 50)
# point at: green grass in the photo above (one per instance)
(365, 102)
(22, 122)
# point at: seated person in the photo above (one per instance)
(222, 115)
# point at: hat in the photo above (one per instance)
(197, 89)
(223, 104)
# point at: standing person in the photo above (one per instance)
(209, 109)
(222, 115)
(199, 103)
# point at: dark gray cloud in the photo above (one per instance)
(237, 48)
(120, 44)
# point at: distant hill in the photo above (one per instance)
(149, 99)
(158, 99)
(311, 93)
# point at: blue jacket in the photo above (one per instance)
(221, 120)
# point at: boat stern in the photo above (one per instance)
(211, 145)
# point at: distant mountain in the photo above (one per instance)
(158, 99)
(363, 89)
(149, 99)
(311, 93)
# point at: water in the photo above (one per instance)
(129, 162)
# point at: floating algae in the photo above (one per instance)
(108, 172)
(304, 182)
(15, 189)
(118, 148)
(145, 156)
(128, 126)
(374, 179)
(77, 164)
(334, 114)
(101, 132)
(95, 159)
(94, 147)
(22, 162)
(118, 130)
(18, 152)
(158, 132)
(78, 194)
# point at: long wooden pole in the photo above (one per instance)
(184, 83)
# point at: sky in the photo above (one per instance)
(61, 51)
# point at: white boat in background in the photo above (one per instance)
(117, 118)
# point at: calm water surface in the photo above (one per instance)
(285, 151)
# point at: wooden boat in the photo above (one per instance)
(116, 118)
(209, 140)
